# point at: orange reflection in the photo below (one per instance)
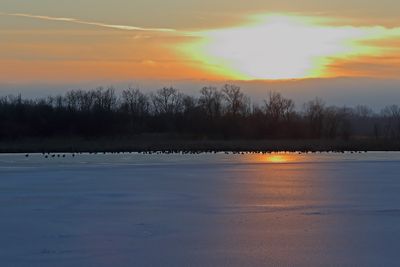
(277, 159)
(279, 203)
(274, 158)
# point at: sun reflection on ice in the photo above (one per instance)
(278, 157)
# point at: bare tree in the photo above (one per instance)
(236, 102)
(314, 113)
(167, 101)
(278, 108)
(188, 103)
(104, 100)
(336, 122)
(331, 122)
(391, 115)
(363, 111)
(135, 102)
(211, 101)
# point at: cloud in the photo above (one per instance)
(93, 23)
(287, 46)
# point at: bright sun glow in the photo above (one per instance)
(279, 47)
(277, 159)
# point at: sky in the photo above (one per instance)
(47, 41)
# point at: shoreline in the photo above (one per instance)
(73, 145)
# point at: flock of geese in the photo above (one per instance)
(49, 155)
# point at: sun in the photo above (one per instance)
(275, 47)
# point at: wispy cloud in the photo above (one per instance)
(93, 23)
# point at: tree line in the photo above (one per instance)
(215, 113)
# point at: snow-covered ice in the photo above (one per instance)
(200, 210)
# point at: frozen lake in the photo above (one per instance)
(200, 210)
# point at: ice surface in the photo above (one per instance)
(200, 210)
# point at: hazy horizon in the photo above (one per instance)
(344, 91)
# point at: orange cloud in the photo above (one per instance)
(367, 66)
(34, 70)
(109, 51)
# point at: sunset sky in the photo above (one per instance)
(46, 40)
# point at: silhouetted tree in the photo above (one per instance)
(236, 102)
(167, 101)
(391, 115)
(211, 101)
(226, 113)
(278, 108)
(314, 114)
(136, 105)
